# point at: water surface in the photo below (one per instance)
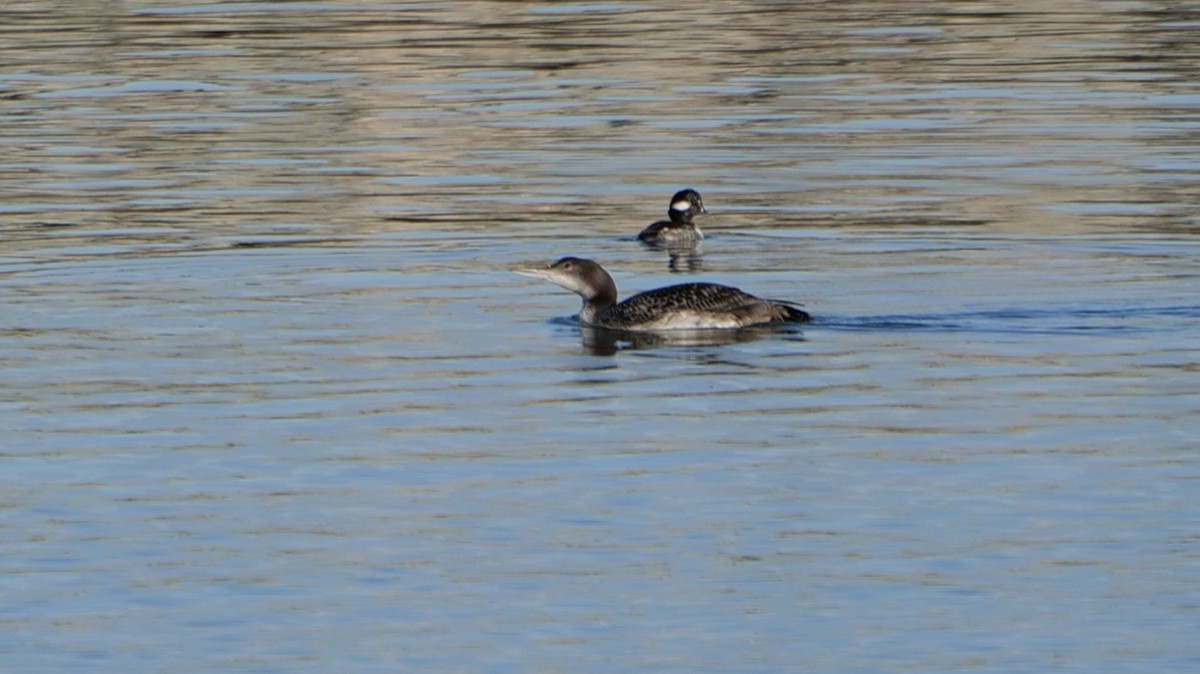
(272, 399)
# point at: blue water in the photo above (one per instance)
(272, 399)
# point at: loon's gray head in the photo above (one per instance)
(684, 205)
(582, 277)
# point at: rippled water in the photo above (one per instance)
(272, 400)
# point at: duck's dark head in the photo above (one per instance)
(685, 204)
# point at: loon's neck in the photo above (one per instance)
(601, 297)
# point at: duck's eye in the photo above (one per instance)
(566, 265)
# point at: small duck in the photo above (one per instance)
(687, 306)
(679, 229)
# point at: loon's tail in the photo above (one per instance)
(794, 315)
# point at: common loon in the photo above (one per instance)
(679, 229)
(688, 306)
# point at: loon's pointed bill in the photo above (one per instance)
(560, 275)
(534, 272)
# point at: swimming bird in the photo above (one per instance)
(687, 306)
(679, 229)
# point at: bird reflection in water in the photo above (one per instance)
(607, 342)
(685, 258)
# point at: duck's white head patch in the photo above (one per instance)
(682, 205)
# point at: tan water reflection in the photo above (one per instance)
(245, 120)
